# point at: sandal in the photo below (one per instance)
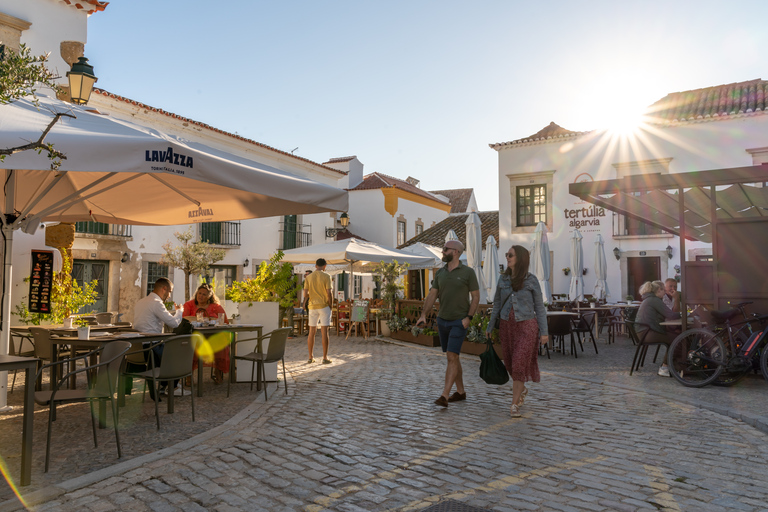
(216, 377)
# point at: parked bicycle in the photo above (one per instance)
(722, 354)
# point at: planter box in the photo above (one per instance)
(470, 347)
(421, 339)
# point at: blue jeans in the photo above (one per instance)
(452, 334)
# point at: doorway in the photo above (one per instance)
(640, 270)
(85, 271)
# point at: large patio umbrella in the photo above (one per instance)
(119, 172)
(491, 267)
(474, 248)
(601, 269)
(541, 266)
(360, 256)
(576, 290)
(451, 235)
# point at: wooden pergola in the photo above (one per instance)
(725, 207)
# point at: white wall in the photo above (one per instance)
(52, 22)
(692, 147)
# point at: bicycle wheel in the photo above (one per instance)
(696, 358)
(735, 367)
(764, 362)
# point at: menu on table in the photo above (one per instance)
(41, 282)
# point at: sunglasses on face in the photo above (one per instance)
(510, 255)
(446, 249)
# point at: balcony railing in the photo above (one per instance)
(101, 228)
(220, 233)
(294, 235)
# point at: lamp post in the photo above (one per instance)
(81, 80)
(332, 232)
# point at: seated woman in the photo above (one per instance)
(652, 312)
(207, 302)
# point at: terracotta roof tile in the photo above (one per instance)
(549, 132)
(208, 127)
(89, 6)
(343, 235)
(436, 234)
(711, 102)
(458, 197)
(340, 159)
(377, 180)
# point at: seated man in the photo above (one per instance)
(150, 315)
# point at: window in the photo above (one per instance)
(400, 232)
(220, 233)
(358, 287)
(229, 271)
(419, 229)
(154, 272)
(531, 205)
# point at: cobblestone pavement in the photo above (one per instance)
(363, 434)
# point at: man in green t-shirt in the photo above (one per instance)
(317, 301)
(456, 286)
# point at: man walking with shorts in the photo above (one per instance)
(454, 285)
(318, 300)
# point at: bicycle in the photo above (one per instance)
(723, 354)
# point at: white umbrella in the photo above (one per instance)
(576, 290)
(431, 251)
(119, 172)
(451, 235)
(601, 270)
(474, 249)
(491, 267)
(360, 256)
(541, 266)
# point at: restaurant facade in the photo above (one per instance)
(710, 128)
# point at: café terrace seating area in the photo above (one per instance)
(145, 426)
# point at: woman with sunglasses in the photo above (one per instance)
(205, 301)
(519, 305)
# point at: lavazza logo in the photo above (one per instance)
(200, 212)
(170, 157)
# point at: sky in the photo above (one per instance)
(418, 87)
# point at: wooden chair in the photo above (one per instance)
(343, 312)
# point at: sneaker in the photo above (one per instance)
(514, 411)
(663, 371)
(442, 401)
(179, 392)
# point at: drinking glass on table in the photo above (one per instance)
(201, 316)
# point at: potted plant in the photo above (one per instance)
(83, 328)
(264, 300)
(387, 275)
(475, 343)
(567, 270)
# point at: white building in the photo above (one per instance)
(126, 259)
(712, 128)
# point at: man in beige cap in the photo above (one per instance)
(454, 284)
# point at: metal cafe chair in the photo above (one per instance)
(102, 385)
(275, 352)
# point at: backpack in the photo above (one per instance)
(185, 327)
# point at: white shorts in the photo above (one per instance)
(320, 316)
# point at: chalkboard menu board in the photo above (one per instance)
(41, 282)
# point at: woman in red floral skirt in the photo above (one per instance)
(520, 306)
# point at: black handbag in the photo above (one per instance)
(492, 369)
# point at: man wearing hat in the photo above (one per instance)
(454, 284)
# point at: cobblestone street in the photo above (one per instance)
(363, 434)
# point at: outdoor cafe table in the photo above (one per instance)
(28, 364)
(234, 329)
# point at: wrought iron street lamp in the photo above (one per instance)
(332, 232)
(81, 80)
(617, 253)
